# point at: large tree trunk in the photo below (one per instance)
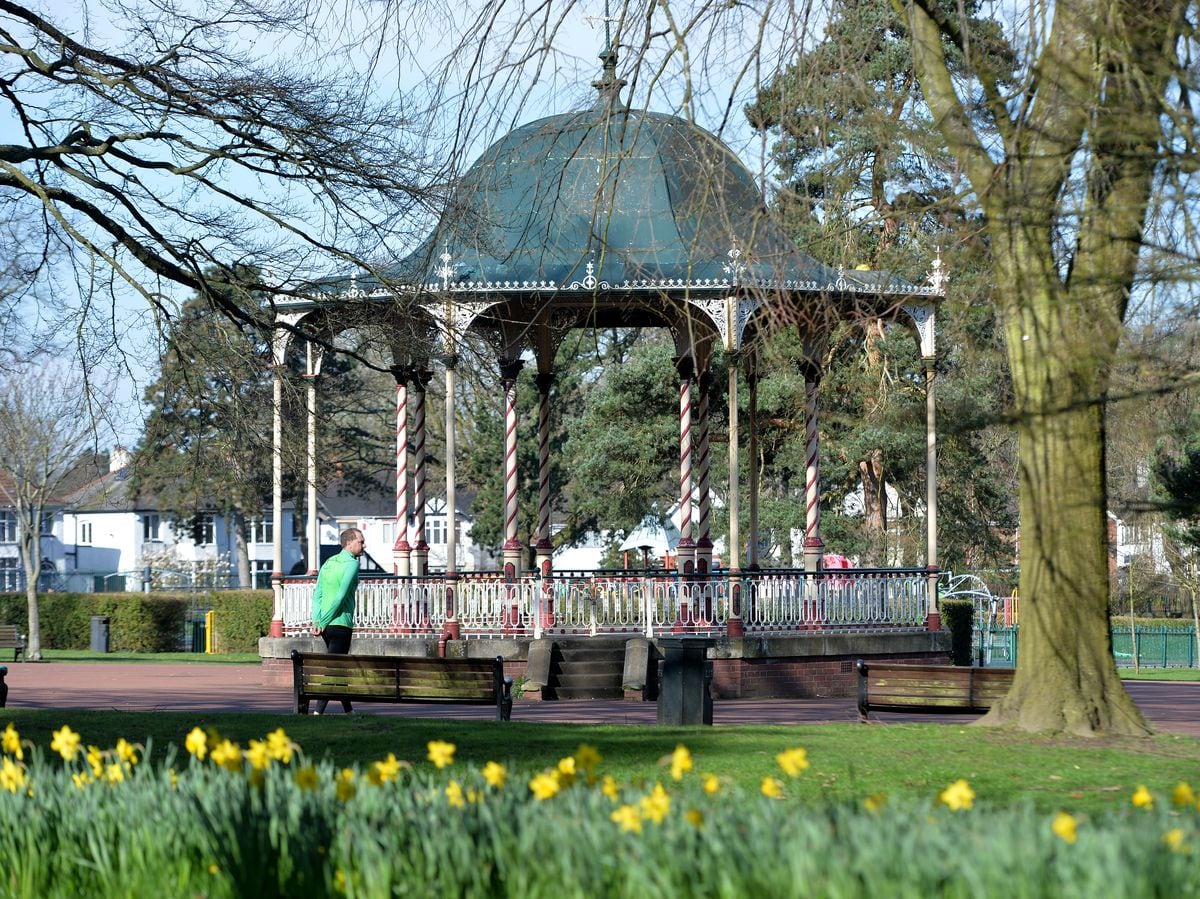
(237, 521)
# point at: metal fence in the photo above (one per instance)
(1157, 647)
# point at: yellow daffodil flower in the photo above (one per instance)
(875, 802)
(454, 794)
(1174, 839)
(793, 761)
(258, 754)
(712, 784)
(608, 787)
(628, 818)
(344, 786)
(958, 796)
(66, 743)
(1183, 794)
(694, 817)
(772, 788)
(441, 753)
(12, 775)
(1065, 826)
(306, 778)
(95, 760)
(10, 743)
(587, 757)
(656, 806)
(280, 746)
(114, 772)
(545, 785)
(681, 762)
(228, 755)
(1141, 797)
(81, 779)
(197, 743)
(566, 771)
(495, 774)
(126, 752)
(389, 768)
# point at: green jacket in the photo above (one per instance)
(333, 599)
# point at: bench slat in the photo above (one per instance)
(890, 686)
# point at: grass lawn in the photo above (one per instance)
(848, 761)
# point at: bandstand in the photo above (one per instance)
(609, 217)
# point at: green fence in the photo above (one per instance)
(1157, 647)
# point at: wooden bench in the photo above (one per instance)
(366, 678)
(937, 689)
(11, 639)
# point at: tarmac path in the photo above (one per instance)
(1170, 706)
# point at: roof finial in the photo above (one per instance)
(609, 84)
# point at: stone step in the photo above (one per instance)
(592, 668)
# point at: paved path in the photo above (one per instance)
(1171, 706)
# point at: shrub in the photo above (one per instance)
(958, 617)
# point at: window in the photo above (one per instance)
(85, 532)
(260, 529)
(8, 527)
(204, 530)
(435, 531)
(10, 574)
(151, 522)
(262, 575)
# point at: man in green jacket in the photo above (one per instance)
(333, 600)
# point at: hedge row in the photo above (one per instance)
(144, 622)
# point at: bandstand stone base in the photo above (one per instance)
(787, 666)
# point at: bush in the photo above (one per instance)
(958, 616)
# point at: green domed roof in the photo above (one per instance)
(622, 196)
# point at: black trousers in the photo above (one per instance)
(337, 640)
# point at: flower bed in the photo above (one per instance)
(219, 819)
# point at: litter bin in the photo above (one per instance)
(199, 635)
(99, 633)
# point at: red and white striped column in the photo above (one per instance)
(512, 545)
(401, 549)
(545, 547)
(685, 552)
(814, 548)
(419, 564)
(704, 544)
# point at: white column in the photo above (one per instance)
(734, 628)
(401, 562)
(545, 547)
(752, 449)
(279, 350)
(452, 624)
(312, 370)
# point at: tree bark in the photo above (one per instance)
(31, 552)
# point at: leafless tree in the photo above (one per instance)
(44, 431)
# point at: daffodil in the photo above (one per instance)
(66, 743)
(344, 786)
(126, 752)
(306, 778)
(958, 796)
(95, 760)
(566, 771)
(772, 788)
(1065, 826)
(114, 772)
(545, 785)
(197, 743)
(628, 817)
(681, 762)
(608, 787)
(1141, 797)
(1183, 794)
(258, 754)
(10, 743)
(280, 746)
(587, 757)
(441, 753)
(495, 774)
(694, 817)
(81, 779)
(712, 784)
(454, 794)
(228, 755)
(1174, 839)
(875, 802)
(388, 768)
(656, 806)
(793, 761)
(12, 775)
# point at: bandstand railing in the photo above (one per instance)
(624, 602)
